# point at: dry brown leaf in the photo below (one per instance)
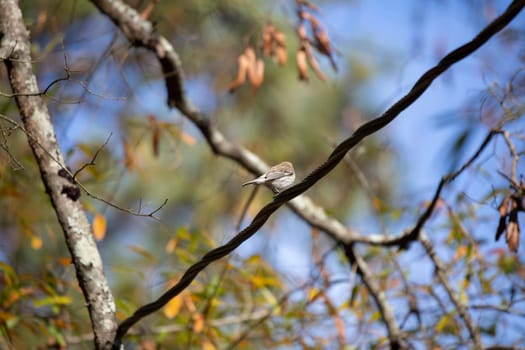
(513, 236)
(99, 227)
(282, 55)
(307, 4)
(302, 66)
(155, 140)
(316, 26)
(257, 77)
(268, 35)
(301, 32)
(129, 158)
(280, 38)
(315, 66)
(502, 225)
(249, 53)
(243, 66)
(322, 42)
(503, 208)
(149, 9)
(513, 231)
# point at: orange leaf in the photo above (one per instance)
(187, 138)
(99, 227)
(64, 261)
(198, 323)
(36, 242)
(170, 247)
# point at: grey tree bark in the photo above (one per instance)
(59, 183)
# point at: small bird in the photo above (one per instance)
(280, 176)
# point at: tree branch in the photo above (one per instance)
(440, 272)
(140, 33)
(15, 51)
(394, 333)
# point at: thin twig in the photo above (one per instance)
(440, 272)
(81, 186)
(92, 161)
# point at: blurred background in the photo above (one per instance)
(287, 287)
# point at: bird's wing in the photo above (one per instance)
(272, 175)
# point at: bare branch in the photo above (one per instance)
(140, 33)
(92, 161)
(442, 276)
(367, 276)
(68, 175)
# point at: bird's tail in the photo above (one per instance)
(250, 182)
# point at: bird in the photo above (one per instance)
(280, 176)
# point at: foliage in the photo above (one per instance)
(289, 286)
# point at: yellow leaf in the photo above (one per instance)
(208, 345)
(36, 242)
(99, 227)
(141, 251)
(313, 293)
(254, 259)
(53, 300)
(172, 308)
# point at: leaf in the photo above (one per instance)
(173, 306)
(142, 251)
(198, 323)
(513, 231)
(243, 63)
(9, 276)
(53, 300)
(172, 244)
(187, 138)
(130, 161)
(64, 261)
(302, 66)
(446, 325)
(99, 227)
(36, 242)
(502, 217)
(313, 294)
(208, 345)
